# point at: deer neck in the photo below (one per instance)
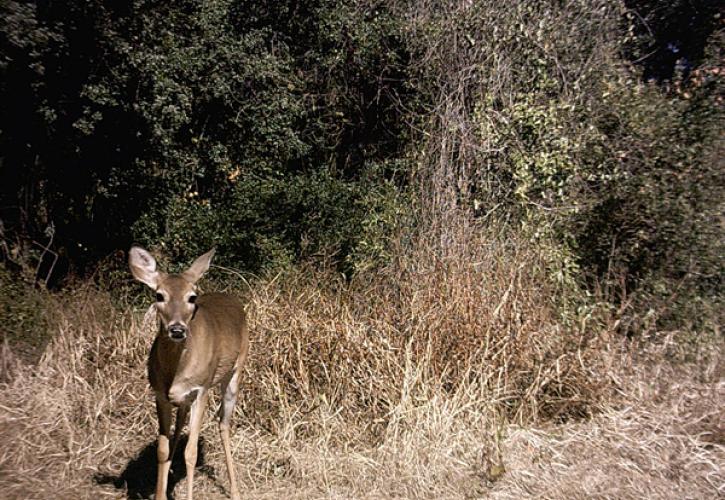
(190, 361)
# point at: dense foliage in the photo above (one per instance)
(280, 131)
(253, 126)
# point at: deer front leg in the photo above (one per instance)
(178, 427)
(197, 417)
(163, 411)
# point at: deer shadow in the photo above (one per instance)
(139, 476)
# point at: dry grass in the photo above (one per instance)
(445, 376)
(665, 439)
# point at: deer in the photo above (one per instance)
(202, 341)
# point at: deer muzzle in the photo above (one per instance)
(177, 332)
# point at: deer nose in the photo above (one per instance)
(177, 332)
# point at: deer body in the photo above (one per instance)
(210, 352)
(202, 341)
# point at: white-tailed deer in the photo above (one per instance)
(202, 341)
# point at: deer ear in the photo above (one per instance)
(143, 266)
(199, 267)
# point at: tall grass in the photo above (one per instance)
(402, 383)
(471, 336)
(482, 315)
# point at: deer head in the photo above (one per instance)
(175, 293)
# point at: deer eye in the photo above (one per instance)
(159, 297)
(192, 299)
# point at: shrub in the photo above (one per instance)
(530, 111)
